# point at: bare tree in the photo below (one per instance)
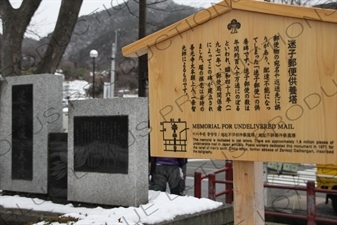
(15, 23)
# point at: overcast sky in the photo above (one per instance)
(45, 17)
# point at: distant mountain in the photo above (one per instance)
(97, 31)
(330, 5)
(101, 29)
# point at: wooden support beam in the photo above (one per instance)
(248, 193)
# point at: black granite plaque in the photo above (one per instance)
(22, 135)
(101, 144)
(58, 165)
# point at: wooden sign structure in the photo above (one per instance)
(246, 81)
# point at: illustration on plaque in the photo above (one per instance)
(234, 25)
(174, 135)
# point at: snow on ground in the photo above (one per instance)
(161, 207)
(75, 89)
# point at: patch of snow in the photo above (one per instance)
(161, 207)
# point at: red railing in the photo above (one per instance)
(310, 189)
(311, 203)
(198, 177)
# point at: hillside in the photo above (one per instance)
(97, 31)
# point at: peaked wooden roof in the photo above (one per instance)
(140, 47)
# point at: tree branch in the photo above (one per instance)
(26, 12)
(4, 5)
(61, 36)
(5, 9)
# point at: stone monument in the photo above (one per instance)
(108, 151)
(30, 109)
(58, 165)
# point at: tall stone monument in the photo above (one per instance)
(30, 109)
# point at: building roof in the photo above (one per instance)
(140, 47)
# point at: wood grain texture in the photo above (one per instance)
(309, 125)
(248, 193)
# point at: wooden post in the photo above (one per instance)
(248, 193)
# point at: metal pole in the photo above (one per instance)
(93, 77)
(113, 63)
(265, 180)
(311, 203)
(106, 90)
(116, 39)
(112, 77)
(142, 60)
(229, 187)
(197, 184)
